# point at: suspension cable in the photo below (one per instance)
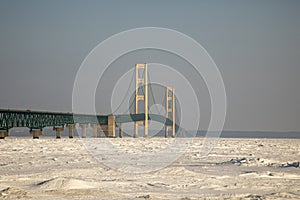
(125, 93)
(158, 111)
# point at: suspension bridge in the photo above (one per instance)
(100, 124)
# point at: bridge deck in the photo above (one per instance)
(39, 119)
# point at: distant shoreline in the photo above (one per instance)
(255, 134)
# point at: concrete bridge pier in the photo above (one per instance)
(111, 127)
(104, 129)
(94, 130)
(83, 130)
(36, 133)
(58, 131)
(100, 132)
(173, 131)
(166, 131)
(120, 131)
(167, 128)
(4, 134)
(71, 128)
(136, 130)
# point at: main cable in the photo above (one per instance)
(125, 94)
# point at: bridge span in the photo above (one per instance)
(107, 124)
(37, 120)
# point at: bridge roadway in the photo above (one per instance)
(37, 120)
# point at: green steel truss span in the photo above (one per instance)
(39, 119)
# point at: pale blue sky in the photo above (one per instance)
(255, 44)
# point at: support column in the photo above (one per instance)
(166, 131)
(4, 134)
(141, 80)
(146, 101)
(111, 126)
(94, 130)
(173, 113)
(170, 96)
(36, 133)
(100, 131)
(120, 131)
(137, 98)
(167, 112)
(136, 130)
(71, 128)
(58, 131)
(83, 130)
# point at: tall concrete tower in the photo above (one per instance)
(141, 94)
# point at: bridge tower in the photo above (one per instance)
(141, 95)
(170, 110)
